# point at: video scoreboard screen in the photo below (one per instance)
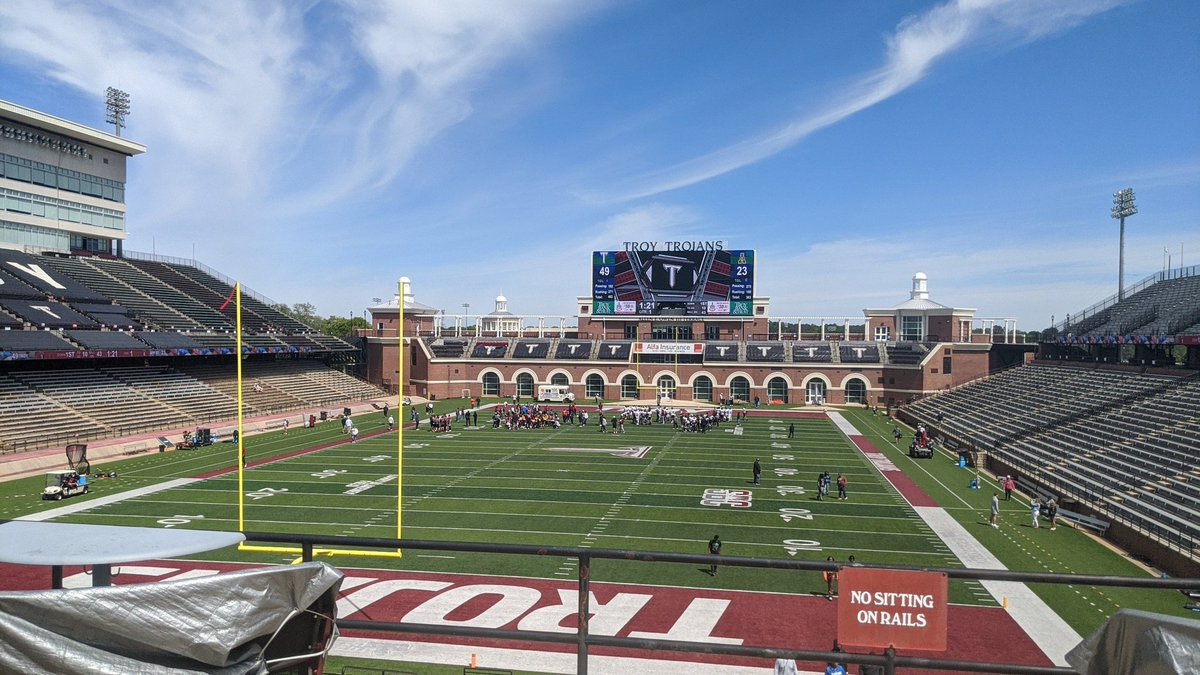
(679, 283)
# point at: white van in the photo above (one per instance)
(555, 392)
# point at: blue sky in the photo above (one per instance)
(319, 150)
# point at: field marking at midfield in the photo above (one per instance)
(1041, 623)
(614, 510)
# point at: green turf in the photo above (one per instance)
(1021, 547)
(489, 485)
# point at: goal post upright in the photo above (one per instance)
(400, 407)
(297, 550)
(240, 459)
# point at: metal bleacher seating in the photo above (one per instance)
(448, 348)
(46, 314)
(164, 340)
(12, 287)
(1153, 310)
(103, 339)
(40, 273)
(202, 313)
(771, 352)
(1124, 443)
(573, 349)
(812, 352)
(33, 340)
(489, 349)
(858, 353)
(906, 353)
(108, 315)
(722, 351)
(614, 351)
(531, 349)
(146, 308)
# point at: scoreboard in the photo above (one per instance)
(673, 283)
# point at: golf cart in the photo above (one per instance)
(64, 483)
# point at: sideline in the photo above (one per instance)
(1041, 623)
(519, 659)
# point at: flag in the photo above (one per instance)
(232, 292)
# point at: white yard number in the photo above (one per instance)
(790, 490)
(788, 514)
(178, 520)
(327, 473)
(784, 458)
(377, 458)
(738, 499)
(794, 546)
(263, 493)
(786, 472)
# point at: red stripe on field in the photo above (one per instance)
(773, 620)
(899, 480)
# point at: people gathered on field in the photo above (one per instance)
(535, 416)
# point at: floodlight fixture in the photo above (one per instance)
(1123, 207)
(117, 105)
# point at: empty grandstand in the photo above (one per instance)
(1107, 420)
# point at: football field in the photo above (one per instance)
(653, 488)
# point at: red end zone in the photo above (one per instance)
(777, 620)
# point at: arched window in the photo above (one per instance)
(702, 389)
(559, 380)
(629, 386)
(525, 385)
(491, 384)
(595, 386)
(777, 389)
(739, 388)
(856, 391)
(814, 393)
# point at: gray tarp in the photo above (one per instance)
(215, 624)
(1140, 643)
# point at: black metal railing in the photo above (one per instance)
(583, 640)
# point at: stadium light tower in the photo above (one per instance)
(117, 104)
(1123, 207)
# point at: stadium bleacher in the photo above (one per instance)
(32, 341)
(573, 349)
(906, 353)
(12, 287)
(489, 349)
(614, 351)
(765, 351)
(531, 349)
(164, 340)
(106, 339)
(858, 353)
(1153, 310)
(812, 352)
(1124, 443)
(722, 351)
(46, 314)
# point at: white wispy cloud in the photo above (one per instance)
(911, 50)
(237, 97)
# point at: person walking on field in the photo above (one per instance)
(841, 484)
(1035, 511)
(995, 511)
(714, 548)
(830, 577)
(757, 472)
